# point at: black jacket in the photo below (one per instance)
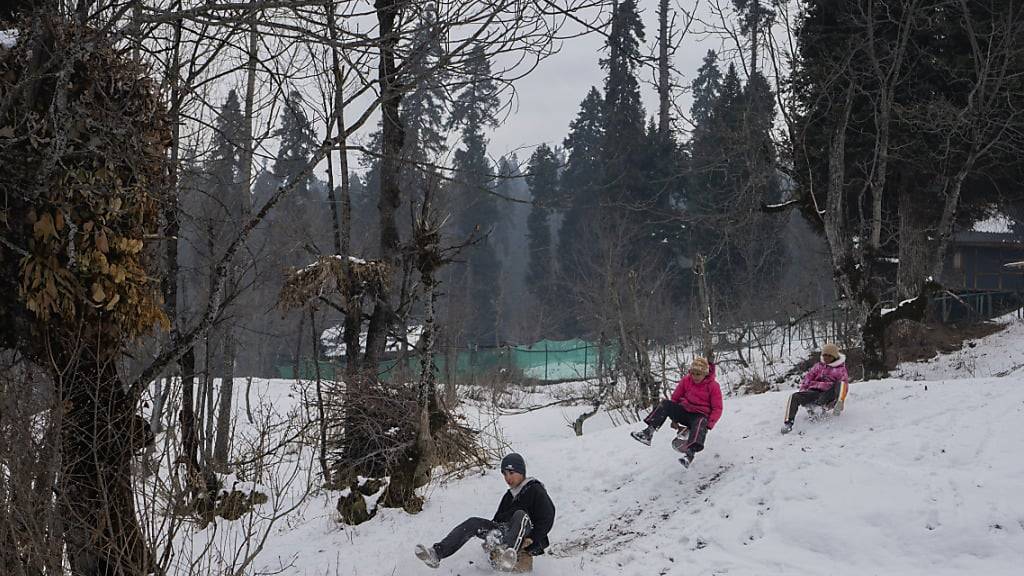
(532, 499)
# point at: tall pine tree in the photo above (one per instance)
(579, 186)
(297, 143)
(542, 177)
(473, 110)
(424, 107)
(624, 134)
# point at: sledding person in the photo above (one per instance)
(525, 512)
(824, 384)
(696, 403)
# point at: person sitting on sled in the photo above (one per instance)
(696, 403)
(525, 511)
(824, 384)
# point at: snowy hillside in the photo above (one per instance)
(1001, 354)
(917, 477)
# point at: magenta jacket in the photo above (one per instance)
(703, 398)
(823, 376)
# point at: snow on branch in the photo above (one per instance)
(912, 308)
(781, 206)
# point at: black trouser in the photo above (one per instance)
(696, 423)
(512, 533)
(807, 397)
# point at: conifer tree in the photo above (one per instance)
(424, 107)
(579, 186)
(580, 180)
(705, 89)
(225, 206)
(297, 143)
(624, 135)
(473, 110)
(755, 18)
(542, 177)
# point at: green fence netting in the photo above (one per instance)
(544, 360)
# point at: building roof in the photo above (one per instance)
(975, 238)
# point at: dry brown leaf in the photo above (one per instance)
(98, 295)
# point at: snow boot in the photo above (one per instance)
(492, 540)
(687, 459)
(644, 436)
(787, 427)
(504, 559)
(428, 555)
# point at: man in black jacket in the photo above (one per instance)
(525, 510)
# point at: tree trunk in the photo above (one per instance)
(951, 189)
(187, 366)
(321, 416)
(392, 137)
(339, 222)
(664, 80)
(755, 31)
(913, 248)
(187, 414)
(357, 441)
(224, 411)
(873, 338)
(156, 416)
(704, 303)
(101, 430)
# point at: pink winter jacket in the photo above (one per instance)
(700, 398)
(823, 376)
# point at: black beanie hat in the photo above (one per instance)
(514, 462)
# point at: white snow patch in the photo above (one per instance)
(994, 224)
(887, 311)
(351, 259)
(8, 38)
(333, 343)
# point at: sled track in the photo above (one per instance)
(635, 522)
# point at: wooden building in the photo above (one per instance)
(978, 261)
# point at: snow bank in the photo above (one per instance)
(1000, 354)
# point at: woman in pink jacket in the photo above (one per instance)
(822, 385)
(696, 403)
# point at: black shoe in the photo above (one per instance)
(687, 459)
(787, 427)
(644, 436)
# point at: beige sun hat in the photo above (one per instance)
(830, 349)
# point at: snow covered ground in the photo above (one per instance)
(1001, 354)
(920, 475)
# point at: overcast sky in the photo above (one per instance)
(549, 98)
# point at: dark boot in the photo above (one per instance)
(687, 458)
(644, 436)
